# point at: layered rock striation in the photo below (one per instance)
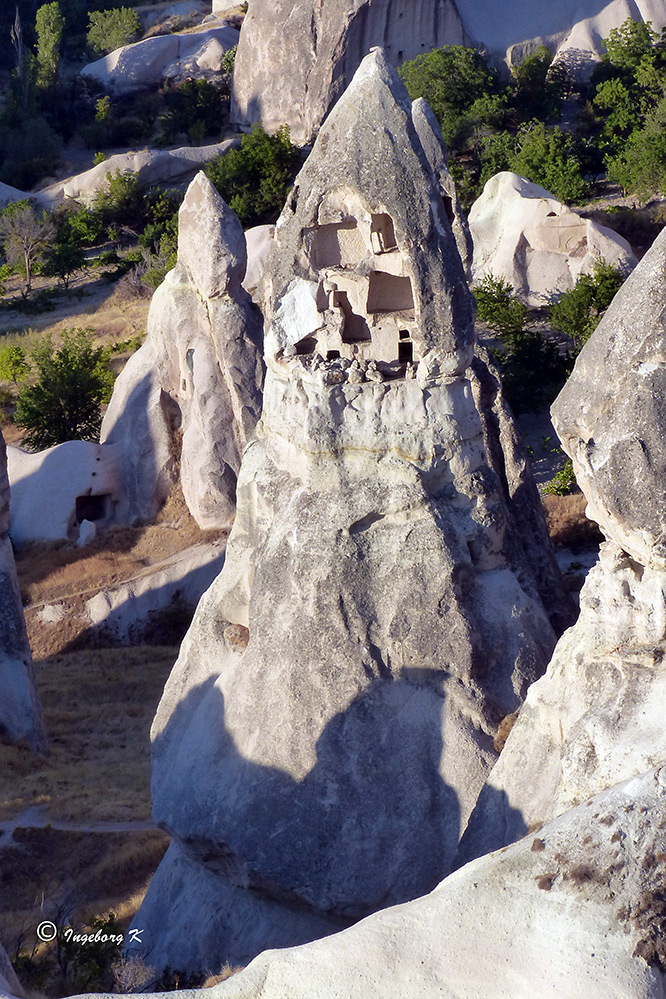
(188, 400)
(596, 717)
(330, 720)
(20, 709)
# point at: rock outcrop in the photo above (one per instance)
(189, 398)
(83, 482)
(295, 60)
(151, 166)
(524, 235)
(20, 710)
(165, 57)
(330, 720)
(596, 716)
(575, 909)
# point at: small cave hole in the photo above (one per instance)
(331, 355)
(405, 352)
(92, 507)
(307, 345)
(448, 207)
(551, 215)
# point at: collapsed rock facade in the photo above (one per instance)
(21, 717)
(330, 720)
(596, 717)
(187, 401)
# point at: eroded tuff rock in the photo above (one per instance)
(524, 235)
(294, 60)
(597, 715)
(329, 722)
(575, 909)
(20, 710)
(611, 415)
(197, 378)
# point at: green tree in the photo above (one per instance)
(630, 44)
(537, 88)
(255, 179)
(63, 261)
(451, 79)
(13, 363)
(72, 383)
(547, 156)
(49, 24)
(578, 312)
(111, 29)
(497, 306)
(26, 235)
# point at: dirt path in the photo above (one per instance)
(35, 817)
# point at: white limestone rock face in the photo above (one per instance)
(429, 132)
(20, 709)
(610, 415)
(326, 729)
(295, 60)
(151, 166)
(597, 714)
(83, 481)
(259, 240)
(524, 235)
(165, 57)
(574, 910)
(194, 388)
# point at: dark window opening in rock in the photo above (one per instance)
(293, 201)
(307, 345)
(404, 335)
(388, 293)
(400, 51)
(92, 507)
(355, 329)
(171, 410)
(448, 207)
(405, 352)
(332, 355)
(382, 233)
(189, 360)
(551, 215)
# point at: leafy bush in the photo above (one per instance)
(255, 179)
(450, 79)
(72, 383)
(578, 312)
(563, 482)
(111, 29)
(533, 370)
(195, 108)
(547, 156)
(13, 364)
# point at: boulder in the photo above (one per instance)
(330, 720)
(9, 194)
(611, 419)
(165, 57)
(20, 710)
(152, 166)
(295, 60)
(83, 482)
(575, 909)
(524, 235)
(187, 401)
(596, 715)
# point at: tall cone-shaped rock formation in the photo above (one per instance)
(188, 400)
(21, 717)
(330, 720)
(597, 716)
